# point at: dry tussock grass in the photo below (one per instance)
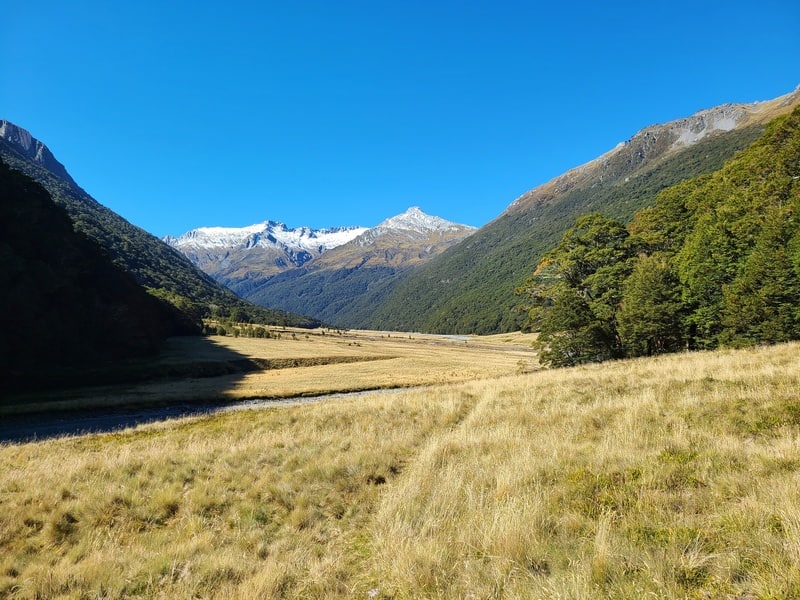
(670, 478)
(375, 360)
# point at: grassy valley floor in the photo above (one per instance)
(675, 477)
(299, 363)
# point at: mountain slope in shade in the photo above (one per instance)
(470, 288)
(151, 262)
(64, 303)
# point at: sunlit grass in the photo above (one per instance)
(676, 477)
(329, 362)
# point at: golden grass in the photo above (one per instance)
(676, 477)
(375, 360)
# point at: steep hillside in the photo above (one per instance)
(151, 262)
(64, 303)
(470, 288)
(343, 285)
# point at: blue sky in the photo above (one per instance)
(181, 114)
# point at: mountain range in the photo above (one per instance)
(320, 272)
(413, 272)
(466, 281)
(152, 263)
(233, 254)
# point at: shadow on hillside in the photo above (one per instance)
(126, 393)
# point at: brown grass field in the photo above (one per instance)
(323, 363)
(674, 477)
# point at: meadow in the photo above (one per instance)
(672, 477)
(292, 363)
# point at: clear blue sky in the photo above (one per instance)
(179, 114)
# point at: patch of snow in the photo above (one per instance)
(265, 235)
(416, 220)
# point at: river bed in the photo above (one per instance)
(35, 427)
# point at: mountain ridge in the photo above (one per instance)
(663, 139)
(345, 275)
(470, 287)
(152, 263)
(34, 150)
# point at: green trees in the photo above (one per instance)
(576, 291)
(716, 261)
(762, 303)
(650, 315)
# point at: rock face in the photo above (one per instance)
(33, 150)
(658, 142)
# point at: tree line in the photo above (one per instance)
(714, 262)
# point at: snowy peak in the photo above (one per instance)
(269, 234)
(24, 144)
(272, 234)
(412, 225)
(242, 257)
(417, 221)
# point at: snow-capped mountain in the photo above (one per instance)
(264, 249)
(272, 245)
(417, 221)
(413, 225)
(408, 238)
(343, 285)
(265, 235)
(270, 263)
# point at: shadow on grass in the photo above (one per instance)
(53, 403)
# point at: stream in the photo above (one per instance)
(42, 426)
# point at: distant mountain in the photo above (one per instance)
(470, 288)
(65, 305)
(151, 262)
(235, 254)
(335, 275)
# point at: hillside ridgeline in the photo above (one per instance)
(66, 305)
(470, 288)
(150, 261)
(715, 261)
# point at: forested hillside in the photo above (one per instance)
(470, 288)
(151, 262)
(715, 261)
(64, 303)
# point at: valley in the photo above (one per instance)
(671, 477)
(151, 449)
(196, 374)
